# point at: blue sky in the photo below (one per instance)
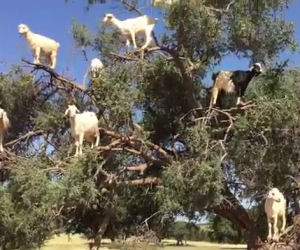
(53, 18)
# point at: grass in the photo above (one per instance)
(76, 242)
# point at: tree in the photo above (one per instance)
(223, 230)
(200, 38)
(195, 159)
(179, 232)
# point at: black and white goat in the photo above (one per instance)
(235, 82)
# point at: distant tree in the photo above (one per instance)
(224, 231)
(180, 232)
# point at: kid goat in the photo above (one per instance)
(4, 125)
(40, 45)
(131, 27)
(96, 67)
(233, 82)
(275, 205)
(83, 126)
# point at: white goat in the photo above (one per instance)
(275, 206)
(163, 3)
(131, 27)
(4, 125)
(96, 67)
(233, 82)
(83, 126)
(40, 46)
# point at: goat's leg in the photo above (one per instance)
(127, 45)
(53, 59)
(238, 101)
(37, 52)
(275, 227)
(77, 146)
(97, 140)
(133, 40)
(149, 38)
(283, 223)
(1, 143)
(270, 229)
(240, 94)
(80, 143)
(214, 96)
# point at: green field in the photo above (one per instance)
(76, 242)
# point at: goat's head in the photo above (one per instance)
(96, 63)
(256, 68)
(4, 118)
(108, 18)
(23, 29)
(274, 194)
(2, 113)
(71, 111)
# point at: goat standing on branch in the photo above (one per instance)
(83, 126)
(233, 82)
(131, 27)
(4, 125)
(275, 206)
(40, 46)
(96, 67)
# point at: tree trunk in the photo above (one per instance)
(97, 239)
(232, 210)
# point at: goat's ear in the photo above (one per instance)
(77, 110)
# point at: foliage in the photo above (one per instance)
(27, 201)
(223, 230)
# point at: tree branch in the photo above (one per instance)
(131, 7)
(226, 10)
(62, 83)
(143, 181)
(139, 168)
(23, 137)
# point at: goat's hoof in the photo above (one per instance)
(241, 104)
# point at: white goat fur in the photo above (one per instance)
(4, 125)
(83, 126)
(96, 67)
(163, 3)
(132, 27)
(275, 206)
(40, 46)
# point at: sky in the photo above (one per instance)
(53, 19)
